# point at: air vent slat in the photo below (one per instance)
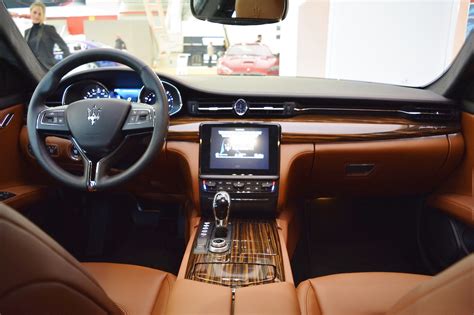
(254, 108)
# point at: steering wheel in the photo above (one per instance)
(98, 128)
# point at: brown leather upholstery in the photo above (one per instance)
(355, 293)
(37, 276)
(450, 292)
(193, 297)
(134, 289)
(273, 298)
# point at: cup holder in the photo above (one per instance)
(235, 274)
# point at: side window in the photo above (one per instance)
(11, 75)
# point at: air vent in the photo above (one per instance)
(204, 108)
(240, 108)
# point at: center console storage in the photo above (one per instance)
(254, 256)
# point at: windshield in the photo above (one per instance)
(389, 41)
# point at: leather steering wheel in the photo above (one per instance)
(98, 128)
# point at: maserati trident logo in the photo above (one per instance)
(93, 114)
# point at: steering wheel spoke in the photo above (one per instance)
(141, 119)
(94, 171)
(53, 121)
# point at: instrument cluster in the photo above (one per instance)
(88, 89)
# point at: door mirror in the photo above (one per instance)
(240, 12)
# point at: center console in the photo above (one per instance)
(237, 243)
(242, 159)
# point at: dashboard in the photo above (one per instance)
(337, 136)
(87, 89)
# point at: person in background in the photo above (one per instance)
(41, 37)
(120, 44)
(210, 53)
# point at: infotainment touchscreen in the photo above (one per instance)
(239, 148)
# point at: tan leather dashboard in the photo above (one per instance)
(320, 156)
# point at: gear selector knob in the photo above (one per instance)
(221, 209)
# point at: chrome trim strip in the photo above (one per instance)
(271, 108)
(248, 177)
(88, 167)
(214, 109)
(370, 110)
(6, 120)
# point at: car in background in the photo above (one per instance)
(248, 59)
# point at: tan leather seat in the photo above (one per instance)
(450, 292)
(37, 276)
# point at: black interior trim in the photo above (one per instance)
(11, 100)
(455, 81)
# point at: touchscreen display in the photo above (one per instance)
(235, 148)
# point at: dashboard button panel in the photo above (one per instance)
(239, 186)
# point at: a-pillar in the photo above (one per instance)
(304, 38)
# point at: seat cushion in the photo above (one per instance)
(135, 289)
(355, 293)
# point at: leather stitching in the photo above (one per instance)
(316, 297)
(158, 292)
(307, 294)
(122, 308)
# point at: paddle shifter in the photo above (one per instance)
(221, 209)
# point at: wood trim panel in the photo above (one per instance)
(312, 128)
(255, 244)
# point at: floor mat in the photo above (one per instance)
(146, 238)
(132, 235)
(358, 235)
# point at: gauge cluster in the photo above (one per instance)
(88, 89)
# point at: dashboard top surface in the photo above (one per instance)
(276, 86)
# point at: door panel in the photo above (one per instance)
(446, 223)
(13, 169)
(10, 157)
(455, 197)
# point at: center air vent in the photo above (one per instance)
(240, 108)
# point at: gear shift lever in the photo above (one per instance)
(221, 209)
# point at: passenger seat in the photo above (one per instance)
(450, 292)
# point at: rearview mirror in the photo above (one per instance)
(240, 12)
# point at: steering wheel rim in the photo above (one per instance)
(74, 118)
